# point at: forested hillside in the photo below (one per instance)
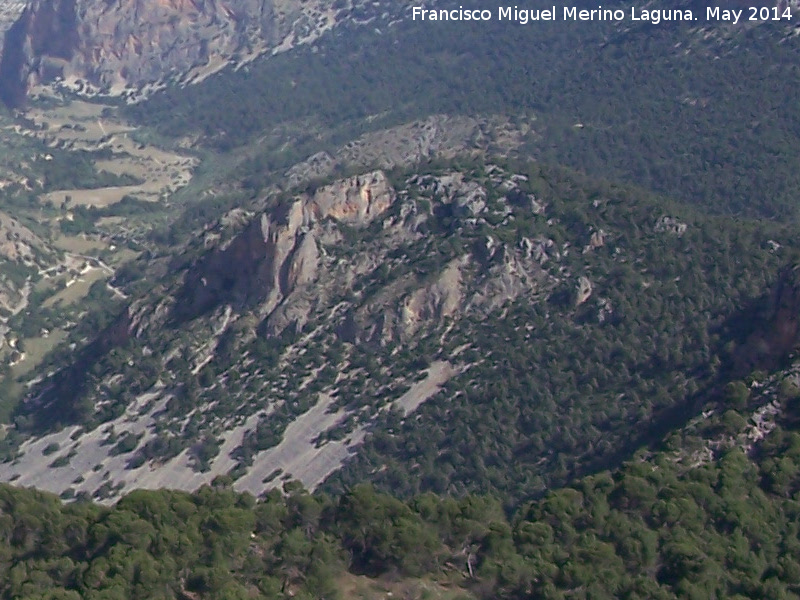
(558, 387)
(678, 523)
(549, 353)
(702, 112)
(481, 328)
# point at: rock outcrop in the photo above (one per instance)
(278, 252)
(354, 200)
(437, 301)
(583, 290)
(278, 265)
(671, 225)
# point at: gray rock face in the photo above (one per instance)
(437, 301)
(94, 46)
(472, 202)
(354, 200)
(278, 253)
(583, 290)
(671, 225)
(538, 249)
(597, 239)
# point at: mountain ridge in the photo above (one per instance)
(380, 302)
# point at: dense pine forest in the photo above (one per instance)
(663, 526)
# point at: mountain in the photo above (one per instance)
(118, 48)
(600, 96)
(345, 300)
(348, 269)
(384, 320)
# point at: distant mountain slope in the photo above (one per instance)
(22, 256)
(91, 46)
(703, 112)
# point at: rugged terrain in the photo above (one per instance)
(710, 513)
(308, 324)
(290, 273)
(350, 269)
(68, 174)
(126, 47)
(350, 254)
(10, 11)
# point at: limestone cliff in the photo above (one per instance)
(278, 252)
(93, 46)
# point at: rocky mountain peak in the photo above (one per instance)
(278, 251)
(355, 200)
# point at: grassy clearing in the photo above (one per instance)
(99, 197)
(122, 255)
(356, 587)
(78, 244)
(44, 284)
(85, 126)
(77, 290)
(36, 349)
